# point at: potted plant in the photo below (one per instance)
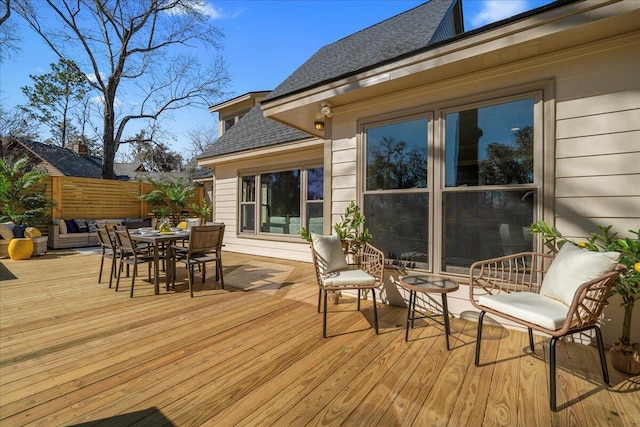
(350, 231)
(171, 195)
(625, 355)
(203, 210)
(23, 198)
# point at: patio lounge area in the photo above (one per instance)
(74, 352)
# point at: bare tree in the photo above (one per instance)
(200, 137)
(140, 52)
(8, 33)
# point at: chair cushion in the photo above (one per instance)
(329, 253)
(348, 278)
(572, 267)
(528, 306)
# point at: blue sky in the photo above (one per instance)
(265, 41)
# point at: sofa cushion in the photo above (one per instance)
(18, 231)
(6, 230)
(82, 225)
(72, 227)
(92, 225)
(62, 226)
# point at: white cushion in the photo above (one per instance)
(329, 253)
(62, 226)
(572, 267)
(530, 307)
(354, 278)
(6, 230)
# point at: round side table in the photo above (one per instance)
(427, 283)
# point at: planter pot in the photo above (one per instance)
(626, 357)
(334, 297)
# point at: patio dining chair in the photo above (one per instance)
(334, 274)
(205, 245)
(557, 296)
(131, 255)
(109, 251)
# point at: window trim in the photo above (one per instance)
(258, 234)
(543, 92)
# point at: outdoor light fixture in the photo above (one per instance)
(319, 124)
(325, 109)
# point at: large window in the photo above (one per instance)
(284, 202)
(479, 187)
(489, 195)
(396, 199)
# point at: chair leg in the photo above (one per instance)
(479, 338)
(358, 299)
(219, 269)
(133, 279)
(552, 373)
(324, 317)
(112, 273)
(375, 309)
(603, 359)
(319, 298)
(100, 273)
(119, 273)
(531, 339)
(191, 273)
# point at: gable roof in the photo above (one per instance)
(67, 161)
(381, 43)
(253, 131)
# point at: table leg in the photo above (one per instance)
(410, 308)
(445, 314)
(156, 268)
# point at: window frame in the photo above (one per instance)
(257, 173)
(543, 94)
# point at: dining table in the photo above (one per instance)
(158, 240)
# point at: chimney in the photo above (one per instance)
(80, 148)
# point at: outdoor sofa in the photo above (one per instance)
(75, 233)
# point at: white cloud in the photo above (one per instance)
(495, 10)
(92, 77)
(201, 6)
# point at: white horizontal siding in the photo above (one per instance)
(594, 145)
(591, 166)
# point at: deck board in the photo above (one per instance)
(73, 351)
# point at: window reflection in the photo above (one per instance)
(491, 145)
(397, 156)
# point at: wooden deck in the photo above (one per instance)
(75, 352)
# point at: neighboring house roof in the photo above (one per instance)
(67, 161)
(129, 169)
(202, 173)
(253, 131)
(387, 41)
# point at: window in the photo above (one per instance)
(396, 199)
(489, 195)
(472, 199)
(248, 204)
(284, 206)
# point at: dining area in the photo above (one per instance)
(163, 251)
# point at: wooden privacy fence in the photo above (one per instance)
(90, 198)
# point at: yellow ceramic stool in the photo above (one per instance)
(20, 248)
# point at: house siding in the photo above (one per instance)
(226, 202)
